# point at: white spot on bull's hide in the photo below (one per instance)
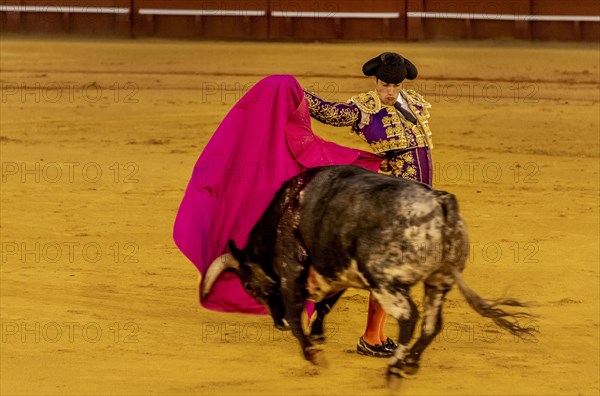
(417, 234)
(411, 255)
(419, 208)
(393, 302)
(432, 307)
(353, 277)
(406, 273)
(408, 263)
(318, 287)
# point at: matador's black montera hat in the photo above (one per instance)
(391, 68)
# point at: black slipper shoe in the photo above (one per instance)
(366, 349)
(390, 345)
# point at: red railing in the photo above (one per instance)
(307, 20)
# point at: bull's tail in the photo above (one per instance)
(455, 246)
(449, 206)
(493, 309)
(455, 253)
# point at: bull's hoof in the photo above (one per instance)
(314, 355)
(411, 367)
(402, 370)
(282, 325)
(393, 381)
(321, 361)
(394, 372)
(318, 338)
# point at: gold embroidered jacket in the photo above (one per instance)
(382, 126)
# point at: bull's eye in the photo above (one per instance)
(249, 288)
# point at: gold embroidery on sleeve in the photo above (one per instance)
(336, 114)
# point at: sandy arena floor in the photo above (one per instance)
(98, 141)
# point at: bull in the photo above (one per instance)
(335, 227)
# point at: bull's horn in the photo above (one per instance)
(219, 265)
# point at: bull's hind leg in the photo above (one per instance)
(400, 305)
(432, 325)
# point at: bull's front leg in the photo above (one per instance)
(291, 258)
(277, 309)
(322, 308)
(294, 297)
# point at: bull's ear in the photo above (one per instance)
(235, 252)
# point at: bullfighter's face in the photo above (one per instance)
(388, 93)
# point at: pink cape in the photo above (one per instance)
(264, 140)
